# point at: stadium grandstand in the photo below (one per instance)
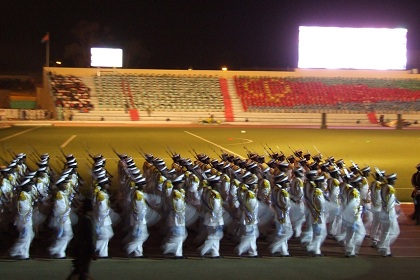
(347, 97)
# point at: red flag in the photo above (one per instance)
(46, 38)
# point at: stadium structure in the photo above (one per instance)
(302, 96)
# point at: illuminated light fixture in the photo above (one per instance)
(58, 62)
(190, 69)
(224, 68)
(106, 57)
(352, 48)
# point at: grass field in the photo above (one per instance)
(391, 150)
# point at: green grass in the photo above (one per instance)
(391, 150)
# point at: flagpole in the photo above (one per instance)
(47, 50)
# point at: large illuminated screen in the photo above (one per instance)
(106, 57)
(352, 48)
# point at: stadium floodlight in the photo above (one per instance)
(106, 57)
(352, 48)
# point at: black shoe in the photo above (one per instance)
(388, 255)
(20, 258)
(179, 257)
(350, 256)
(104, 258)
(216, 257)
(58, 257)
(318, 255)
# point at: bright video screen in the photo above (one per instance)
(106, 57)
(352, 48)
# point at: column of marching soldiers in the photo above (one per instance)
(307, 198)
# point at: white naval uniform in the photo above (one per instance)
(6, 204)
(333, 207)
(103, 223)
(248, 231)
(24, 225)
(177, 232)
(315, 232)
(281, 204)
(138, 225)
(213, 220)
(365, 198)
(297, 207)
(376, 207)
(352, 223)
(390, 228)
(62, 224)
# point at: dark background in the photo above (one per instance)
(178, 34)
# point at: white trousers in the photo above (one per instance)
(137, 237)
(389, 233)
(280, 240)
(175, 240)
(212, 244)
(23, 243)
(63, 237)
(248, 240)
(104, 234)
(355, 233)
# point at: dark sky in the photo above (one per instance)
(177, 34)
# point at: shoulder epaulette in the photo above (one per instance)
(100, 196)
(138, 195)
(318, 192)
(355, 193)
(251, 195)
(59, 195)
(22, 197)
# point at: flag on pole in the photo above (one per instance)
(46, 38)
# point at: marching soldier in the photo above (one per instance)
(297, 208)
(352, 219)
(388, 216)
(177, 232)
(315, 233)
(366, 198)
(213, 221)
(102, 219)
(333, 213)
(61, 221)
(248, 220)
(6, 200)
(375, 191)
(138, 233)
(23, 223)
(281, 204)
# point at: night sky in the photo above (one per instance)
(178, 34)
